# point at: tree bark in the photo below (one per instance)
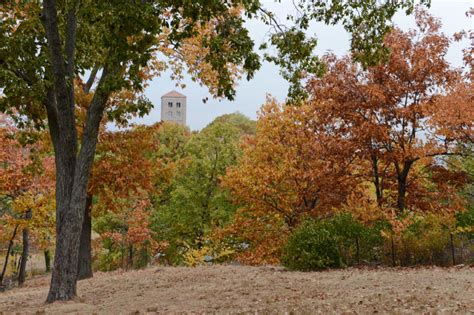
(130, 256)
(7, 256)
(357, 250)
(64, 275)
(376, 180)
(25, 251)
(84, 268)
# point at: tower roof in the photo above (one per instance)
(173, 94)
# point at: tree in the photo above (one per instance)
(282, 166)
(291, 169)
(26, 181)
(401, 116)
(123, 197)
(57, 41)
(119, 53)
(197, 204)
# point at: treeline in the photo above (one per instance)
(375, 167)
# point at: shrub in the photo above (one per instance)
(332, 243)
(430, 239)
(312, 246)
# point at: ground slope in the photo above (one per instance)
(262, 290)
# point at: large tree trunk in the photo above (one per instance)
(61, 120)
(70, 208)
(72, 169)
(84, 268)
(24, 252)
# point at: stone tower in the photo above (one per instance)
(173, 107)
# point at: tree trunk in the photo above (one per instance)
(401, 196)
(130, 256)
(402, 178)
(451, 238)
(47, 260)
(24, 252)
(9, 249)
(72, 169)
(84, 268)
(376, 180)
(70, 208)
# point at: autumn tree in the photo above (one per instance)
(26, 186)
(122, 182)
(401, 116)
(290, 170)
(118, 53)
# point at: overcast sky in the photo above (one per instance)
(251, 94)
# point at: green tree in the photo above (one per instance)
(114, 40)
(197, 203)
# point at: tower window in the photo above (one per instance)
(178, 104)
(178, 112)
(170, 104)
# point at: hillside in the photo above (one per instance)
(232, 289)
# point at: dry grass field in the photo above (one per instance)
(263, 290)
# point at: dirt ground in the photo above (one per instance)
(257, 290)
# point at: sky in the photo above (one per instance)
(267, 81)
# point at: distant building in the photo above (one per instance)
(173, 107)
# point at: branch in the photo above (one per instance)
(94, 116)
(444, 153)
(91, 80)
(64, 97)
(275, 23)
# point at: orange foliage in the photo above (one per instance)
(27, 180)
(291, 167)
(290, 170)
(402, 117)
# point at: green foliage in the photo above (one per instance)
(332, 243)
(312, 247)
(172, 139)
(295, 58)
(465, 222)
(244, 125)
(196, 204)
(123, 37)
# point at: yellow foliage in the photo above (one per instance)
(200, 256)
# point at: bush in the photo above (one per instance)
(332, 243)
(312, 246)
